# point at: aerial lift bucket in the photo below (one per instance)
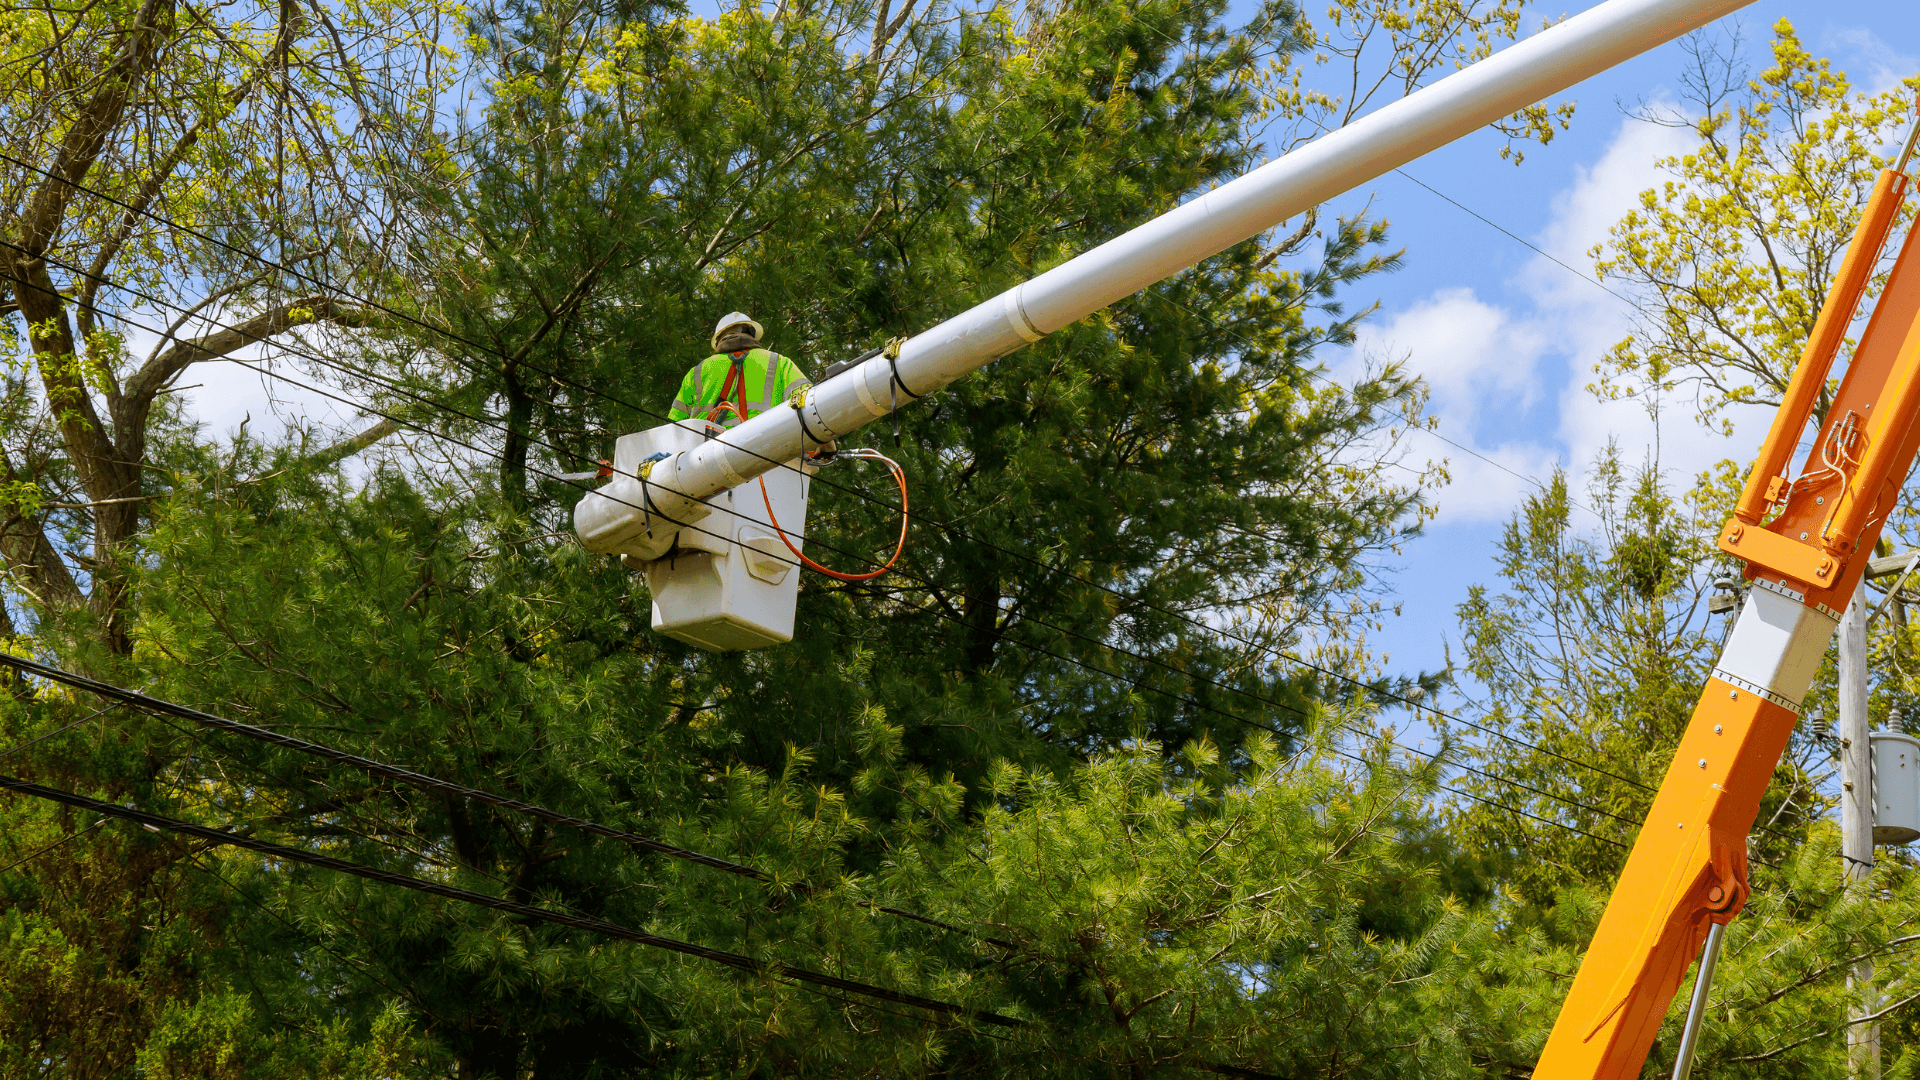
(727, 580)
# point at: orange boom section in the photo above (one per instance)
(1688, 868)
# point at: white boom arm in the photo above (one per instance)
(609, 519)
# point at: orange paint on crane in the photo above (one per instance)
(1688, 867)
(1829, 331)
(1882, 367)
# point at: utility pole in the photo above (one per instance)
(1856, 821)
(1856, 787)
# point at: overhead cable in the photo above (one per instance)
(922, 580)
(1511, 235)
(17, 747)
(449, 335)
(70, 837)
(528, 911)
(368, 765)
(149, 703)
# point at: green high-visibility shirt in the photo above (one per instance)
(770, 377)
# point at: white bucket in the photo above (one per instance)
(727, 581)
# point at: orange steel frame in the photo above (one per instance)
(1688, 868)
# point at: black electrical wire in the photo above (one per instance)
(444, 407)
(944, 526)
(1027, 645)
(528, 911)
(422, 1006)
(69, 838)
(379, 832)
(434, 860)
(1511, 235)
(805, 978)
(148, 703)
(367, 765)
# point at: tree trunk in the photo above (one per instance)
(982, 614)
(514, 450)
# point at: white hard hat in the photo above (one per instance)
(735, 318)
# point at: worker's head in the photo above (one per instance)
(736, 323)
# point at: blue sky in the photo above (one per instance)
(1508, 339)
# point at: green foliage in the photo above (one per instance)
(1591, 655)
(1070, 780)
(1735, 252)
(1591, 658)
(1169, 920)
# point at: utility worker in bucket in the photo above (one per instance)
(741, 372)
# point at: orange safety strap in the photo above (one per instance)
(736, 377)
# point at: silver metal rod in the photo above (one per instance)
(1906, 152)
(1697, 1010)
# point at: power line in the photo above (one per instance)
(12, 750)
(147, 703)
(447, 864)
(589, 924)
(603, 395)
(807, 979)
(379, 832)
(69, 838)
(1509, 234)
(924, 581)
(1137, 684)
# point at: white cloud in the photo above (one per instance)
(1482, 366)
(1875, 66)
(1490, 483)
(1472, 354)
(1493, 368)
(1591, 321)
(1584, 213)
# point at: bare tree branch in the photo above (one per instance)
(157, 372)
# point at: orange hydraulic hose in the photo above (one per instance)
(739, 411)
(899, 476)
